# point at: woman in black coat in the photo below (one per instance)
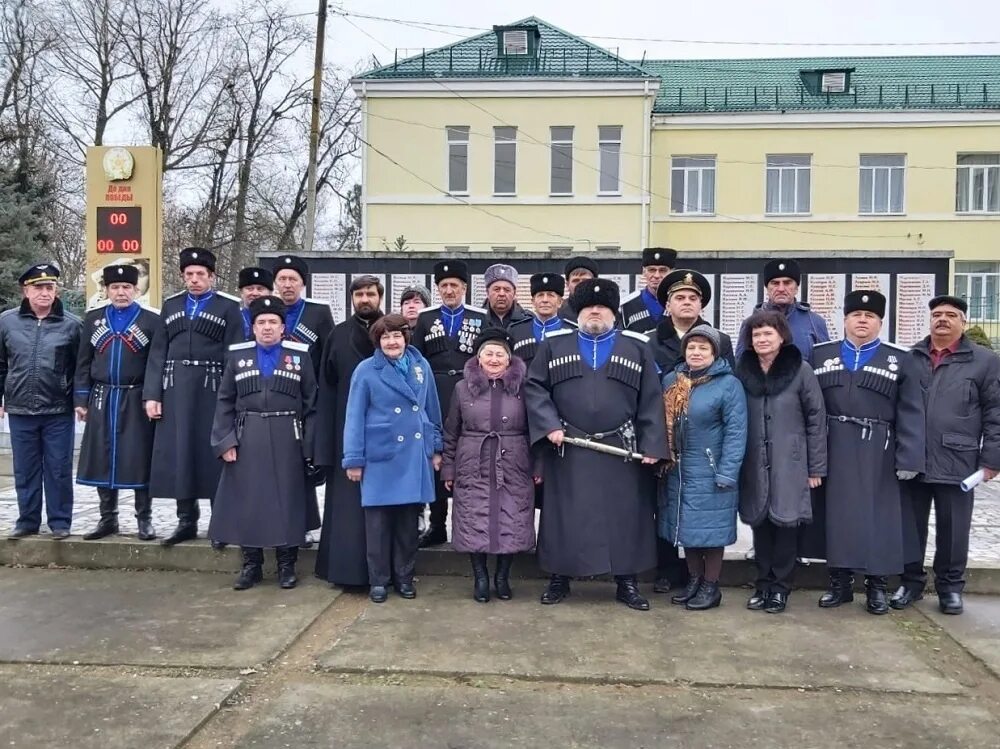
(786, 451)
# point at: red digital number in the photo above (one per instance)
(118, 219)
(130, 245)
(105, 245)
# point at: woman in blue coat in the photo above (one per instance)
(392, 445)
(706, 412)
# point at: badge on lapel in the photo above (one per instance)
(418, 372)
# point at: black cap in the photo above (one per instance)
(580, 262)
(267, 304)
(595, 291)
(197, 256)
(659, 256)
(291, 262)
(954, 301)
(782, 269)
(864, 300)
(684, 278)
(492, 335)
(41, 273)
(548, 282)
(256, 276)
(451, 269)
(120, 273)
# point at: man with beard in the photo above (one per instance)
(412, 302)
(110, 370)
(546, 298)
(342, 558)
(597, 383)
(501, 296)
(577, 269)
(183, 372)
(445, 335)
(643, 311)
(253, 283)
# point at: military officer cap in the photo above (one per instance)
(684, 278)
(267, 305)
(42, 273)
(197, 256)
(291, 262)
(120, 274)
(256, 276)
(957, 302)
(659, 256)
(593, 292)
(782, 269)
(451, 269)
(864, 300)
(548, 282)
(492, 335)
(580, 263)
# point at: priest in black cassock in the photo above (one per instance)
(597, 383)
(181, 385)
(874, 407)
(342, 558)
(546, 299)
(110, 369)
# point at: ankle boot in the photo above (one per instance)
(108, 524)
(287, 556)
(187, 523)
(481, 589)
(144, 514)
(877, 594)
(708, 597)
(694, 583)
(556, 590)
(501, 580)
(252, 572)
(628, 593)
(841, 589)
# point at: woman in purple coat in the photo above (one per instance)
(488, 463)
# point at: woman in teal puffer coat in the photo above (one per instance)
(706, 412)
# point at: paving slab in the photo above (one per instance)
(313, 715)
(108, 711)
(149, 618)
(589, 637)
(977, 630)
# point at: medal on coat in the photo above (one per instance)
(289, 364)
(893, 366)
(418, 372)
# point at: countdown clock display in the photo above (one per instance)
(119, 230)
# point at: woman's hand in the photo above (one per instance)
(229, 455)
(449, 485)
(354, 474)
(436, 461)
(815, 481)
(537, 479)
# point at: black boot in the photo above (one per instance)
(556, 590)
(690, 591)
(252, 572)
(187, 523)
(501, 580)
(287, 556)
(108, 524)
(435, 535)
(144, 514)
(481, 586)
(628, 593)
(708, 597)
(877, 594)
(841, 589)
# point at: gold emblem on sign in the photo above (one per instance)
(118, 164)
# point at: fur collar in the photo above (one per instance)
(478, 384)
(782, 373)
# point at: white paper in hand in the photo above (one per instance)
(971, 482)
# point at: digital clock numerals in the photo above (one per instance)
(119, 230)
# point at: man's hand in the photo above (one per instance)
(556, 437)
(436, 461)
(81, 413)
(988, 473)
(229, 455)
(154, 410)
(537, 480)
(354, 474)
(648, 461)
(449, 485)
(815, 482)
(1, 412)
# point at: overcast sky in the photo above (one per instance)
(799, 27)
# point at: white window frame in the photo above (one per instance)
(451, 131)
(497, 144)
(870, 172)
(785, 172)
(833, 82)
(602, 141)
(966, 280)
(518, 44)
(686, 172)
(965, 178)
(552, 146)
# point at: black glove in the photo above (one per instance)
(315, 476)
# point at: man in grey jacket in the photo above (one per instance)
(961, 384)
(38, 348)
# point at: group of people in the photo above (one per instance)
(636, 428)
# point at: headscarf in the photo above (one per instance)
(676, 401)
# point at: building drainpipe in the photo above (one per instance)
(364, 166)
(647, 135)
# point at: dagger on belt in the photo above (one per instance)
(602, 448)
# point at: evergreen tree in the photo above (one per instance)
(23, 221)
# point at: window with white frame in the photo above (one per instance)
(609, 144)
(789, 183)
(692, 184)
(458, 158)
(561, 139)
(504, 160)
(978, 283)
(977, 183)
(880, 189)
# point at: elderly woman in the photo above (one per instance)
(706, 413)
(786, 451)
(488, 464)
(392, 445)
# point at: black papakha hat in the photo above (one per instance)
(267, 305)
(451, 269)
(548, 282)
(120, 273)
(291, 262)
(595, 292)
(255, 276)
(782, 269)
(197, 256)
(659, 256)
(865, 300)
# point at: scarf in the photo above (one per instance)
(676, 400)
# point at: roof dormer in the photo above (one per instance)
(517, 41)
(827, 81)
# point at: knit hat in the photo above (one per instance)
(703, 331)
(500, 272)
(416, 290)
(492, 335)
